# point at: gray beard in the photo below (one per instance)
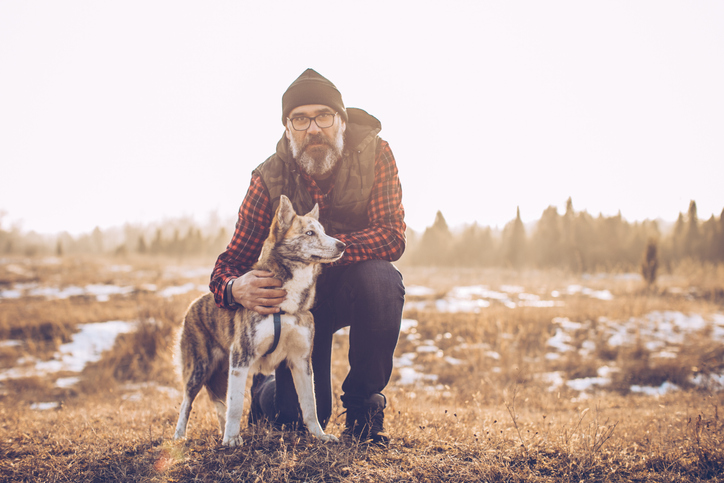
(318, 164)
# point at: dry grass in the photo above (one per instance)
(484, 419)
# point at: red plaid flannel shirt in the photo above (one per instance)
(384, 239)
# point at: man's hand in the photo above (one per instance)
(259, 291)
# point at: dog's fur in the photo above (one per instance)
(219, 347)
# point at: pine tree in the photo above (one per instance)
(547, 239)
(692, 241)
(435, 244)
(515, 242)
(720, 238)
(141, 245)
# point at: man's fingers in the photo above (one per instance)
(262, 273)
(260, 291)
(266, 282)
(268, 293)
(264, 310)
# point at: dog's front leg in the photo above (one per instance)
(239, 363)
(304, 384)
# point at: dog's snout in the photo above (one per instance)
(340, 245)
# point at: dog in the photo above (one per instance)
(218, 347)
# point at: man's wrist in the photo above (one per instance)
(229, 294)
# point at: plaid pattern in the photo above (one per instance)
(384, 239)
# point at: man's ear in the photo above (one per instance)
(315, 212)
(285, 212)
(287, 131)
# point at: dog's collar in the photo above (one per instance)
(277, 332)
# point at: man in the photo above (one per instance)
(332, 156)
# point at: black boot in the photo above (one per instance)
(263, 389)
(366, 421)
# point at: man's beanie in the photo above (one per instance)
(312, 88)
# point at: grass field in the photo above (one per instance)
(500, 376)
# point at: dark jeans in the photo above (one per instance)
(368, 297)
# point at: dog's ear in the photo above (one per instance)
(315, 212)
(285, 212)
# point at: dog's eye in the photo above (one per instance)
(310, 233)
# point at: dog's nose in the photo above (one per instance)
(340, 245)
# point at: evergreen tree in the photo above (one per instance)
(708, 239)
(547, 239)
(141, 245)
(435, 244)
(473, 247)
(720, 238)
(515, 242)
(97, 240)
(693, 240)
(158, 245)
(572, 256)
(678, 239)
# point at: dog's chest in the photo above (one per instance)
(300, 290)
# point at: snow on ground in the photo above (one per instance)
(663, 332)
(474, 298)
(101, 292)
(86, 346)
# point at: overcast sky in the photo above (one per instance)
(135, 111)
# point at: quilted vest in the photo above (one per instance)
(353, 178)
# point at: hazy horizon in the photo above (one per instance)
(142, 111)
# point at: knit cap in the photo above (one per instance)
(312, 88)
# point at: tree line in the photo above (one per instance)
(179, 238)
(574, 240)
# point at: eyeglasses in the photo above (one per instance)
(323, 121)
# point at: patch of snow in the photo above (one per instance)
(450, 305)
(405, 360)
(587, 383)
(554, 379)
(103, 292)
(407, 324)
(410, 375)
(10, 294)
(44, 406)
(453, 361)
(665, 388)
(419, 291)
(710, 381)
(512, 288)
(560, 341)
(67, 381)
(85, 346)
(169, 292)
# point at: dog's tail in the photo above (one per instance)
(177, 363)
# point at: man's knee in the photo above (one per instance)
(377, 291)
(376, 280)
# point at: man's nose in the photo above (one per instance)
(313, 128)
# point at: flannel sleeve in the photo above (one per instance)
(384, 238)
(252, 228)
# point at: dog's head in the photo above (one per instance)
(301, 237)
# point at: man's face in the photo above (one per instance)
(316, 150)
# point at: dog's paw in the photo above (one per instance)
(234, 442)
(327, 438)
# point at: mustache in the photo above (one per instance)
(316, 139)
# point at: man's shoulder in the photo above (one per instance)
(362, 128)
(271, 166)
